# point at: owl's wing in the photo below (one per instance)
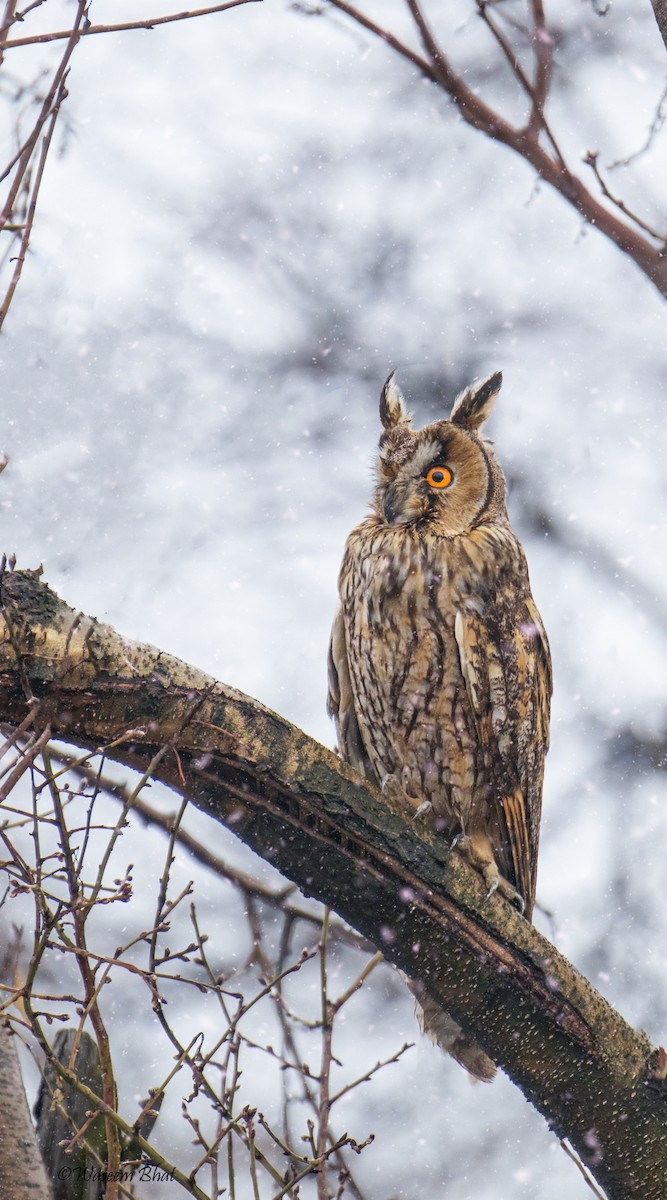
(506, 666)
(340, 703)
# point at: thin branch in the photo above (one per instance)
(46, 117)
(582, 1170)
(26, 760)
(385, 36)
(6, 22)
(324, 1106)
(151, 1152)
(591, 160)
(276, 897)
(91, 988)
(146, 23)
(73, 36)
(543, 45)
(15, 735)
(385, 1062)
(537, 91)
(36, 184)
(651, 259)
(654, 129)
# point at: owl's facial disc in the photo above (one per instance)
(440, 475)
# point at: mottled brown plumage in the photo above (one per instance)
(439, 667)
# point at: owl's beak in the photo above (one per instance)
(400, 508)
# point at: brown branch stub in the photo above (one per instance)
(307, 813)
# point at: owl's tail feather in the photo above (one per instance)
(444, 1031)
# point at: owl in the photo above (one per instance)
(439, 665)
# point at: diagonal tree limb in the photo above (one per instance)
(597, 1081)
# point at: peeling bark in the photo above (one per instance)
(297, 805)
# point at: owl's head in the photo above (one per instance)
(445, 475)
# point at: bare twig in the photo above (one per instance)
(26, 760)
(144, 23)
(91, 989)
(627, 234)
(654, 129)
(582, 1170)
(385, 35)
(6, 22)
(324, 1107)
(385, 1062)
(591, 160)
(73, 36)
(46, 118)
(35, 186)
(543, 49)
(277, 897)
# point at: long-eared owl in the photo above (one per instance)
(439, 665)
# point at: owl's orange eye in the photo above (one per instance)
(439, 477)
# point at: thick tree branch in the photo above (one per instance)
(596, 1081)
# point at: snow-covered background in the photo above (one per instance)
(255, 217)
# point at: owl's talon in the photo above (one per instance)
(476, 848)
(492, 878)
(391, 787)
(495, 883)
(510, 893)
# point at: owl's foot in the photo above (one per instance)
(497, 883)
(477, 849)
(391, 786)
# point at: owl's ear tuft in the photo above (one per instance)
(392, 405)
(473, 407)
